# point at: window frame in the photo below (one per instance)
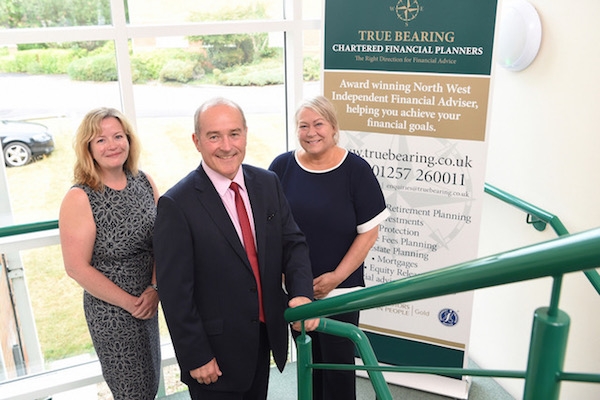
(292, 25)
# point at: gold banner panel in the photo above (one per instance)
(440, 106)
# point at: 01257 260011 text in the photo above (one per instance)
(431, 174)
(420, 175)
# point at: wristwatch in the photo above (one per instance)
(155, 287)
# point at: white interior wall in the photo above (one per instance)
(543, 147)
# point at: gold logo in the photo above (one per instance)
(407, 10)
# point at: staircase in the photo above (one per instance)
(282, 386)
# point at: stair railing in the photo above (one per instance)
(568, 253)
(554, 258)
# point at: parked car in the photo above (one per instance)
(23, 142)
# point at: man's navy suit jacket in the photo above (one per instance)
(206, 285)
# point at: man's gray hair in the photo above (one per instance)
(215, 101)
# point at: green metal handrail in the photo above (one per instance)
(569, 253)
(556, 257)
(539, 218)
(14, 230)
(304, 363)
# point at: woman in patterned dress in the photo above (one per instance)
(106, 222)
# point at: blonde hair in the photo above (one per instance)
(322, 106)
(86, 171)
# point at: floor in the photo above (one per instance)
(282, 386)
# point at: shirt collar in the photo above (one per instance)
(222, 183)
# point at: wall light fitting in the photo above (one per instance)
(519, 36)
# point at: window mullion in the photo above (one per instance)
(123, 60)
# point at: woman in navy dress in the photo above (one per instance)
(338, 204)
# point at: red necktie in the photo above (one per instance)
(248, 243)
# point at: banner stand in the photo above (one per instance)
(410, 80)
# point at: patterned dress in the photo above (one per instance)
(128, 348)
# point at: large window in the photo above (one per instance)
(156, 60)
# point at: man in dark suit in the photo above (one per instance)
(223, 317)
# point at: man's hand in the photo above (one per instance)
(208, 373)
(310, 324)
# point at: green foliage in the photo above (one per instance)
(311, 70)
(11, 13)
(178, 71)
(31, 46)
(234, 59)
(148, 65)
(166, 65)
(87, 46)
(224, 56)
(98, 65)
(99, 68)
(234, 49)
(53, 13)
(60, 323)
(266, 72)
(85, 12)
(8, 65)
(7, 61)
(50, 61)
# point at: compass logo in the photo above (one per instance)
(448, 317)
(407, 10)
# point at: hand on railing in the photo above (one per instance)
(310, 324)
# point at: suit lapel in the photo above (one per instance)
(211, 201)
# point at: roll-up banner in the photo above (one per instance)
(410, 80)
